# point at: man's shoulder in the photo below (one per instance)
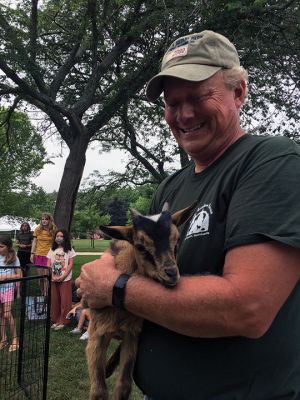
(179, 174)
(281, 144)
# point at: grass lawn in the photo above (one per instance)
(68, 376)
(81, 245)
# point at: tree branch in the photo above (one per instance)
(6, 121)
(33, 30)
(64, 70)
(31, 66)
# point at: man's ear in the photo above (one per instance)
(181, 216)
(240, 94)
(118, 232)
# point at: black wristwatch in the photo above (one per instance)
(118, 293)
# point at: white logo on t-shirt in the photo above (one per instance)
(199, 224)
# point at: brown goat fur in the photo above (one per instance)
(144, 249)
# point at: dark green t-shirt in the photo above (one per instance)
(251, 194)
(25, 238)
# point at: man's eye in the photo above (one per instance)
(171, 105)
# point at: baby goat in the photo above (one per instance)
(147, 248)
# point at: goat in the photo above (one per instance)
(147, 248)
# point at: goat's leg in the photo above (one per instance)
(113, 362)
(127, 360)
(96, 359)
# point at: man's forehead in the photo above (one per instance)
(174, 85)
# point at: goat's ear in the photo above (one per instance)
(134, 213)
(118, 232)
(181, 216)
(165, 207)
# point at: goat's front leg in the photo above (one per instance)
(127, 360)
(96, 359)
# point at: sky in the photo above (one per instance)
(50, 176)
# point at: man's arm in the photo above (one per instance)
(256, 282)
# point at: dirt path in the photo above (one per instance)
(86, 253)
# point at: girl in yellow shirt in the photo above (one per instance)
(42, 240)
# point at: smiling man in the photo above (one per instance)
(230, 328)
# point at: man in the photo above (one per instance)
(230, 329)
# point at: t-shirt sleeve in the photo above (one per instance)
(266, 204)
(72, 253)
(35, 234)
(17, 262)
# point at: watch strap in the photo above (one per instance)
(118, 292)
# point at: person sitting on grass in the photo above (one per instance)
(83, 316)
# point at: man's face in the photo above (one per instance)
(203, 116)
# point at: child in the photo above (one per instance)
(23, 242)
(8, 260)
(60, 259)
(43, 236)
(83, 315)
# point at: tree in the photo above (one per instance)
(116, 209)
(78, 62)
(87, 220)
(84, 63)
(22, 157)
(267, 35)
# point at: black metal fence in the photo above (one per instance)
(24, 350)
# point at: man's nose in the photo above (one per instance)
(185, 112)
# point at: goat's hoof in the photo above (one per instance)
(98, 396)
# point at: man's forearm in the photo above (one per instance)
(197, 306)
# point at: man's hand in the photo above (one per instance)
(96, 281)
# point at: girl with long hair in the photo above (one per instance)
(61, 260)
(23, 242)
(42, 240)
(8, 262)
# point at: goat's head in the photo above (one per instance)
(154, 239)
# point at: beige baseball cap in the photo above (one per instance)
(194, 58)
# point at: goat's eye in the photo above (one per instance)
(147, 256)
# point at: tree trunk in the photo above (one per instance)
(70, 182)
(184, 158)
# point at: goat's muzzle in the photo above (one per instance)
(169, 276)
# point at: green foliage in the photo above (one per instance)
(85, 221)
(142, 205)
(79, 62)
(22, 157)
(85, 65)
(29, 204)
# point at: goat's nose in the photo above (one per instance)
(171, 272)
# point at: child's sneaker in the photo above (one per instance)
(75, 331)
(84, 336)
(59, 327)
